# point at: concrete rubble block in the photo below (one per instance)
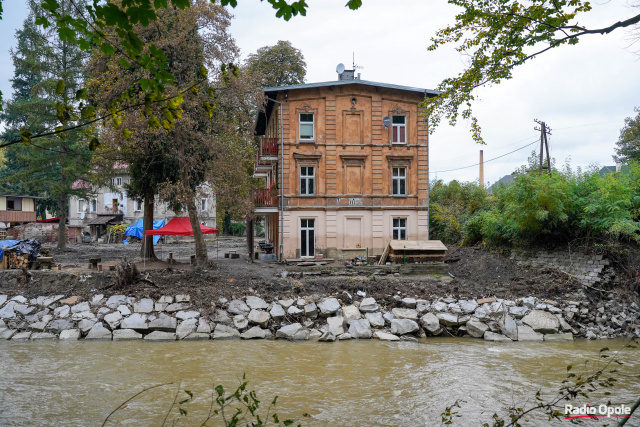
(99, 332)
(449, 300)
(59, 325)
(454, 308)
(126, 335)
(327, 337)
(6, 334)
(103, 311)
(38, 326)
(160, 336)
(518, 312)
(431, 324)
(85, 325)
(3, 299)
(294, 311)
(408, 338)
(177, 306)
(256, 303)
(350, 313)
(21, 336)
(61, 312)
(293, 332)
(301, 302)
(83, 315)
(165, 299)
(221, 316)
(508, 327)
(439, 306)
(314, 334)
(78, 308)
(116, 300)
(311, 310)
(145, 305)
(388, 317)
(259, 317)
(529, 302)
(240, 322)
(468, 306)
(368, 305)
(422, 306)
(237, 306)
(405, 313)
(403, 326)
(542, 321)
(113, 319)
(482, 313)
(476, 328)
(277, 313)
(184, 315)
(51, 300)
(492, 336)
(24, 309)
(383, 336)
(375, 319)
(447, 319)
(163, 323)
(255, 333)
(308, 323)
(559, 337)
(186, 327)
(526, 333)
(204, 327)
(409, 302)
(160, 306)
(97, 300)
(224, 332)
(345, 336)
(183, 298)
(19, 299)
(137, 321)
(124, 310)
(197, 336)
(70, 335)
(497, 309)
(286, 303)
(564, 326)
(336, 325)
(360, 329)
(329, 307)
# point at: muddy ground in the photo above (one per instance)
(468, 273)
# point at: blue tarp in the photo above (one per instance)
(8, 243)
(136, 229)
(21, 247)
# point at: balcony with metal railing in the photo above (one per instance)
(269, 148)
(265, 199)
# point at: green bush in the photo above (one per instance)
(237, 228)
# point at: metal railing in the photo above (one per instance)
(264, 197)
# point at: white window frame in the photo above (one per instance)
(93, 205)
(306, 123)
(82, 205)
(204, 204)
(396, 180)
(399, 232)
(310, 249)
(117, 182)
(137, 206)
(307, 180)
(398, 126)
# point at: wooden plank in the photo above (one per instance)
(420, 245)
(385, 253)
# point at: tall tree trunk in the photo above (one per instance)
(62, 224)
(147, 251)
(201, 248)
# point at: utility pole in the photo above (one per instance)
(481, 169)
(544, 144)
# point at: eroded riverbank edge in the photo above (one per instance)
(290, 309)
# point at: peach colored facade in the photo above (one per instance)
(351, 181)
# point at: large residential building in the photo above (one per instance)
(345, 167)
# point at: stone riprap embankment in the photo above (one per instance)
(328, 319)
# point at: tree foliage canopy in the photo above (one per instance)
(628, 145)
(277, 65)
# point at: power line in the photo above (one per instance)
(486, 161)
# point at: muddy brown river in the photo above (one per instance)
(355, 383)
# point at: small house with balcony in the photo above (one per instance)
(344, 167)
(15, 210)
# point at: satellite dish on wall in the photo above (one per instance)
(340, 68)
(386, 121)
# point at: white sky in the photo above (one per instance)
(583, 92)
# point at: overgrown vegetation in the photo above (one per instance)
(540, 209)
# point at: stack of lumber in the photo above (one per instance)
(14, 260)
(413, 252)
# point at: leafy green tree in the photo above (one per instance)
(277, 65)
(48, 70)
(628, 145)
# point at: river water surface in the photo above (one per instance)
(354, 383)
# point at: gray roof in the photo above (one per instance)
(428, 92)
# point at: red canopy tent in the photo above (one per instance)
(179, 226)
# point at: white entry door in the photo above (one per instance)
(307, 237)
